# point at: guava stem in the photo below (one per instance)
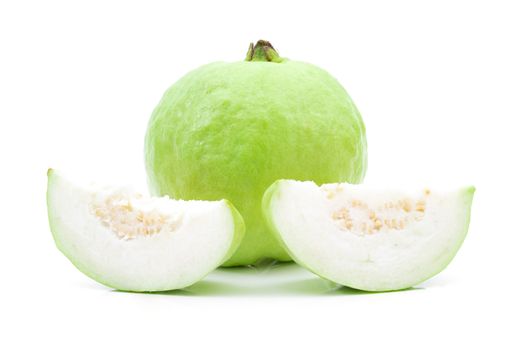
(262, 51)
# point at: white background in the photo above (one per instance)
(440, 86)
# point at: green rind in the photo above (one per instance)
(272, 193)
(238, 234)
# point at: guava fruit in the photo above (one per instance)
(132, 242)
(365, 237)
(229, 130)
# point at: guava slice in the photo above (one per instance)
(133, 242)
(368, 238)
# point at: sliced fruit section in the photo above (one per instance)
(368, 238)
(132, 242)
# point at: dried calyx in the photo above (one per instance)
(262, 51)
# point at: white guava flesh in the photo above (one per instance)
(132, 242)
(369, 238)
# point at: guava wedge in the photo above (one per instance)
(132, 242)
(365, 237)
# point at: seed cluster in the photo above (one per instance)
(127, 221)
(358, 217)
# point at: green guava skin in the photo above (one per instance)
(229, 130)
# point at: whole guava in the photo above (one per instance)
(229, 130)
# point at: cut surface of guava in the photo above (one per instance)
(365, 237)
(133, 242)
